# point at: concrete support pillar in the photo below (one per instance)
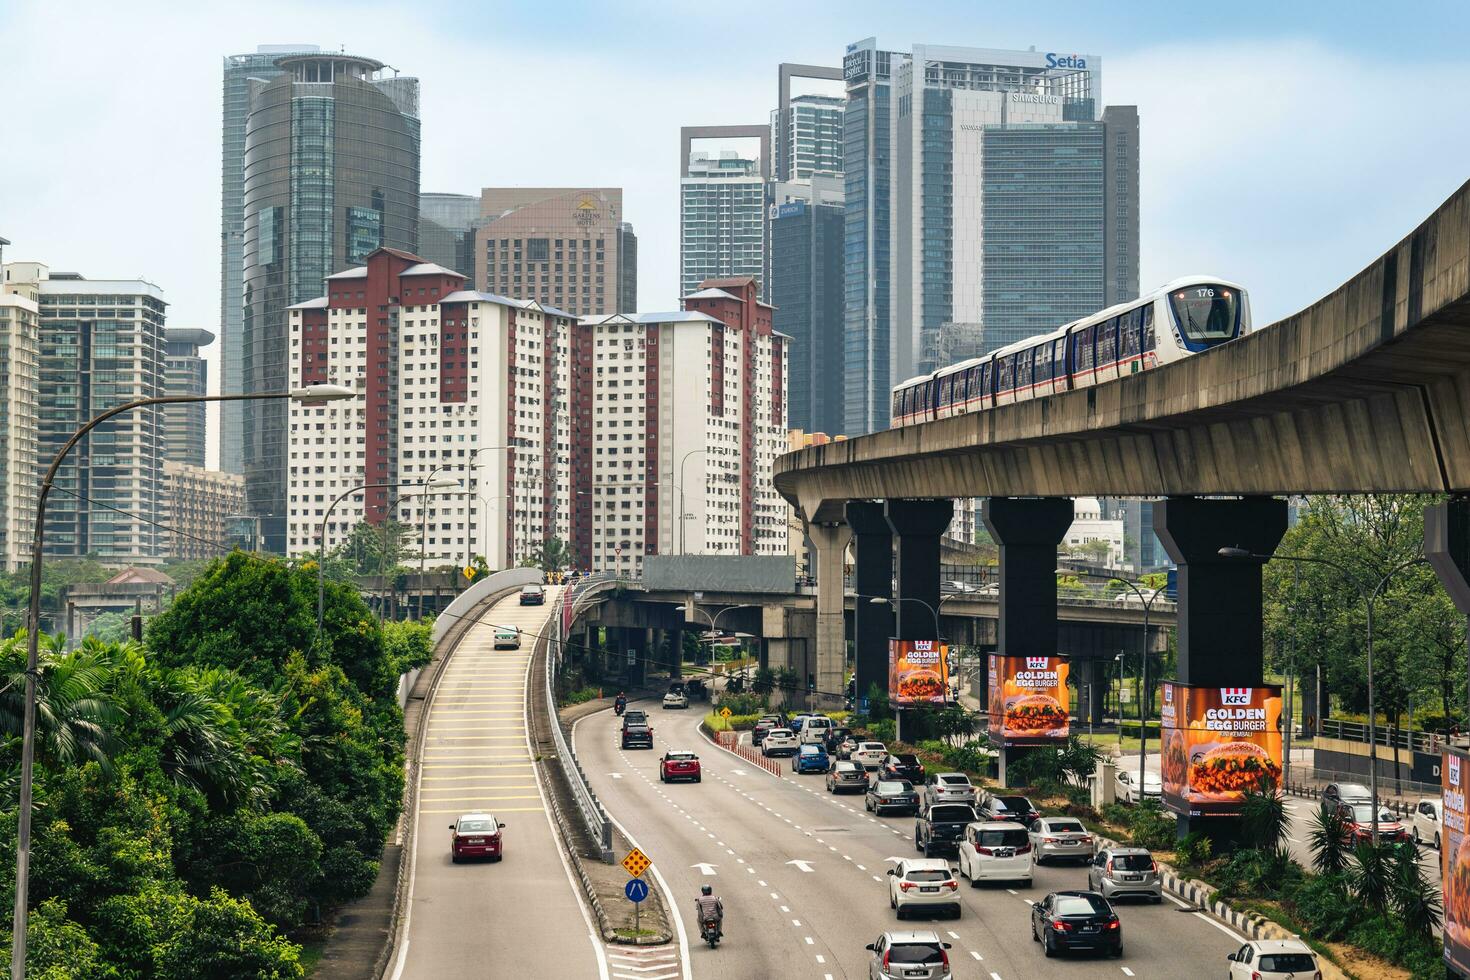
(1447, 546)
(872, 575)
(1219, 607)
(830, 542)
(917, 526)
(1027, 531)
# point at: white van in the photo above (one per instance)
(815, 729)
(996, 849)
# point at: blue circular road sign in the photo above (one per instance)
(636, 889)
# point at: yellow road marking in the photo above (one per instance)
(499, 809)
(441, 764)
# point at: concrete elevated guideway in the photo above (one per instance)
(522, 915)
(1366, 390)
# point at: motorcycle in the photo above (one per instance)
(709, 931)
(619, 708)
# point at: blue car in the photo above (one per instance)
(811, 758)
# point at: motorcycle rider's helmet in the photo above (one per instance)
(706, 890)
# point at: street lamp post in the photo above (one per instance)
(713, 620)
(682, 515)
(1369, 597)
(318, 392)
(879, 600)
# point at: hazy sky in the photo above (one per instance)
(1283, 145)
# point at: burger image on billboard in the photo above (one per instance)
(1028, 699)
(918, 671)
(1219, 743)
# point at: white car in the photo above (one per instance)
(948, 787)
(676, 699)
(870, 754)
(996, 850)
(923, 883)
(1266, 959)
(779, 741)
(1126, 786)
(1426, 821)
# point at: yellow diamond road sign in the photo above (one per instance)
(725, 712)
(469, 572)
(636, 863)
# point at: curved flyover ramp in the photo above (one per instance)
(1366, 390)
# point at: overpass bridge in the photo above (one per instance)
(1366, 390)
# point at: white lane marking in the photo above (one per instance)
(953, 934)
(805, 866)
(821, 959)
(976, 955)
(786, 909)
(994, 975)
(796, 923)
(616, 775)
(1127, 972)
(1200, 915)
(810, 941)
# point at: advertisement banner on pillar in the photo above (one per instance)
(1218, 742)
(1454, 860)
(1029, 702)
(918, 671)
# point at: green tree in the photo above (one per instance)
(225, 937)
(1414, 898)
(1329, 842)
(1370, 875)
(1263, 818)
(110, 627)
(73, 718)
(554, 555)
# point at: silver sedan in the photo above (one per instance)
(949, 787)
(1060, 839)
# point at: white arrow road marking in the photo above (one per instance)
(706, 869)
(616, 775)
(739, 772)
(802, 865)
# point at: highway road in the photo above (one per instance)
(802, 873)
(522, 916)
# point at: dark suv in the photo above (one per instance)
(1336, 794)
(637, 736)
(941, 827)
(906, 765)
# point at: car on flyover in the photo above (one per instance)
(676, 699)
(810, 758)
(845, 775)
(476, 835)
(638, 735)
(507, 638)
(1337, 794)
(1273, 959)
(1071, 920)
(779, 741)
(533, 595)
(679, 764)
(923, 885)
(909, 956)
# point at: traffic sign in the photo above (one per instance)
(636, 889)
(725, 712)
(469, 572)
(636, 863)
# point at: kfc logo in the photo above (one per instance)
(1038, 663)
(1235, 695)
(1454, 771)
(1168, 693)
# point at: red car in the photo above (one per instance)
(476, 835)
(1359, 820)
(678, 765)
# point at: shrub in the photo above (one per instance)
(1326, 908)
(1258, 872)
(1370, 875)
(1194, 850)
(583, 695)
(743, 704)
(1151, 828)
(883, 730)
(1117, 814)
(1415, 900)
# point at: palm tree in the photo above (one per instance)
(1328, 840)
(1371, 874)
(1263, 818)
(74, 712)
(1414, 898)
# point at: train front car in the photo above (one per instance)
(1204, 312)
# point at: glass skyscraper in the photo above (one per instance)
(447, 225)
(988, 200)
(238, 72)
(186, 373)
(721, 219)
(331, 173)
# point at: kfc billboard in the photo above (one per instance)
(1218, 742)
(918, 671)
(1454, 862)
(1028, 699)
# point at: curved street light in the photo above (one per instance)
(309, 393)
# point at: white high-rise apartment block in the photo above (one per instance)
(456, 385)
(681, 417)
(721, 219)
(20, 386)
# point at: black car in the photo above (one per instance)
(1065, 921)
(891, 794)
(1336, 794)
(1017, 809)
(637, 736)
(905, 765)
(765, 724)
(533, 595)
(846, 774)
(634, 716)
(941, 827)
(834, 738)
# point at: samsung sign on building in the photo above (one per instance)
(1038, 99)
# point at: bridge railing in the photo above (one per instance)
(1357, 731)
(594, 815)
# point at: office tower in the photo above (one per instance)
(565, 247)
(990, 198)
(331, 174)
(186, 372)
(239, 69)
(806, 130)
(447, 225)
(20, 388)
(100, 345)
(679, 418)
(806, 252)
(199, 507)
(462, 385)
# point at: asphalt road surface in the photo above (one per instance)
(521, 916)
(802, 874)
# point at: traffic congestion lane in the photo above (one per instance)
(791, 824)
(465, 919)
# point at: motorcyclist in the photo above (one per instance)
(709, 907)
(620, 703)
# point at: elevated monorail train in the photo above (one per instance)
(1183, 317)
